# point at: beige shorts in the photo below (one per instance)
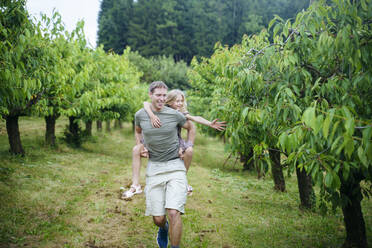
(166, 191)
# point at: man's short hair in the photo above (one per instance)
(157, 84)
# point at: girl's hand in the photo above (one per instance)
(144, 152)
(155, 121)
(181, 153)
(218, 125)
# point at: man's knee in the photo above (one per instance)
(159, 220)
(173, 214)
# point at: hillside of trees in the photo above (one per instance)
(185, 28)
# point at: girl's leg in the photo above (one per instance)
(136, 164)
(187, 160)
(187, 157)
(135, 188)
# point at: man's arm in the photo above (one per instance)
(138, 136)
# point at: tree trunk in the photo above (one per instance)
(74, 136)
(353, 216)
(305, 188)
(99, 126)
(14, 137)
(133, 126)
(117, 124)
(277, 170)
(88, 127)
(74, 126)
(245, 158)
(50, 131)
(108, 127)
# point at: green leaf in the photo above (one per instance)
(335, 143)
(367, 132)
(283, 140)
(349, 145)
(326, 124)
(349, 126)
(334, 129)
(346, 171)
(276, 29)
(289, 92)
(346, 112)
(309, 117)
(271, 23)
(364, 5)
(328, 180)
(362, 156)
(336, 183)
(318, 124)
(245, 113)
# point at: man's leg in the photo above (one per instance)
(162, 236)
(159, 220)
(175, 226)
(176, 196)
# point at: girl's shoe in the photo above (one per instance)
(189, 190)
(133, 190)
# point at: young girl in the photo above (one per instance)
(176, 100)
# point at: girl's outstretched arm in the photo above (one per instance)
(218, 125)
(155, 121)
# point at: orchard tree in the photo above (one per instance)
(309, 87)
(116, 80)
(329, 76)
(27, 63)
(53, 100)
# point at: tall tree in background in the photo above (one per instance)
(113, 24)
(185, 28)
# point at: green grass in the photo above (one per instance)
(67, 197)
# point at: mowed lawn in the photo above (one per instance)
(66, 197)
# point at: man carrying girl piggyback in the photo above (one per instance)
(175, 99)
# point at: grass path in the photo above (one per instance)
(68, 197)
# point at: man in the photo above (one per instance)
(166, 183)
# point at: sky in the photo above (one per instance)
(71, 11)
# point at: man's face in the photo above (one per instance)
(158, 97)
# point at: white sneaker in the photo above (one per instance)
(133, 190)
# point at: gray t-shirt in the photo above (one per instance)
(162, 142)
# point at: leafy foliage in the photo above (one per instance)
(185, 28)
(306, 91)
(48, 71)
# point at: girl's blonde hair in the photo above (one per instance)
(172, 96)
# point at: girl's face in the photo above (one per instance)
(178, 103)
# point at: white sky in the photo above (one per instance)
(71, 11)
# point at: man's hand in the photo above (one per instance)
(144, 152)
